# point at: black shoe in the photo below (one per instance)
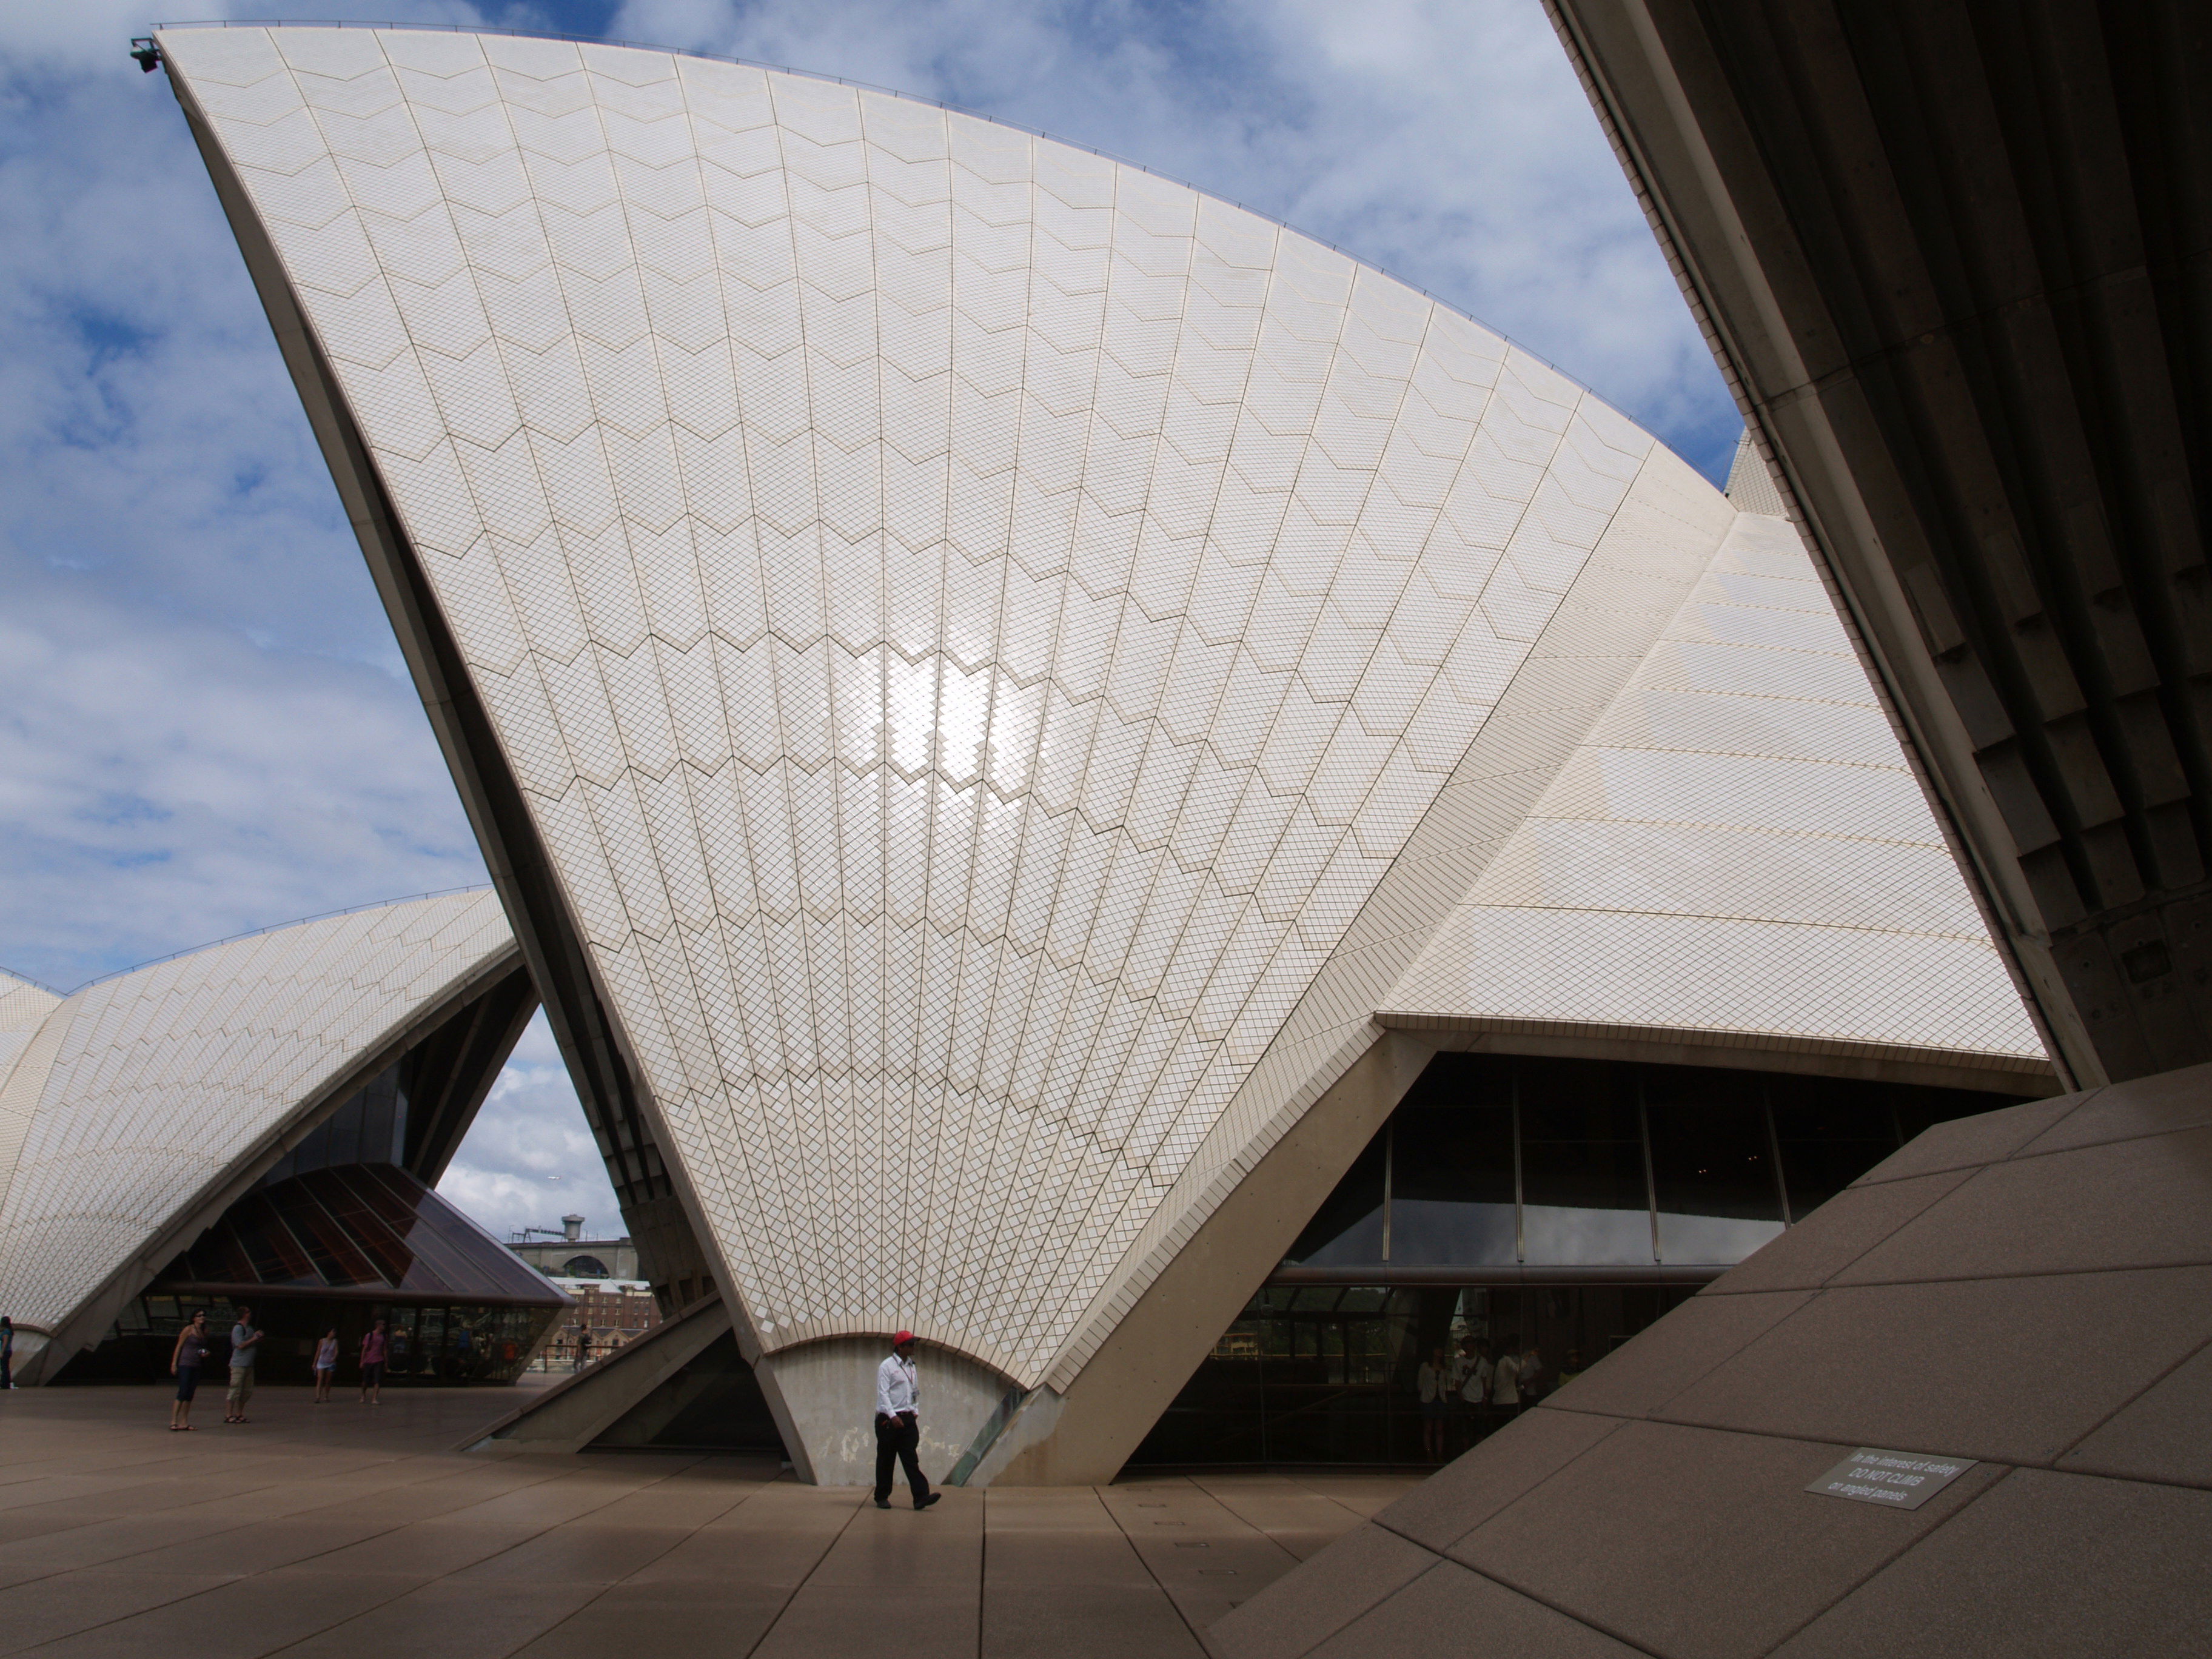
(924, 1503)
(883, 1503)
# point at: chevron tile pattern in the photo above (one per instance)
(978, 627)
(137, 1096)
(1738, 845)
(24, 1007)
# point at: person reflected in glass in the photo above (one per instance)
(1531, 1380)
(1474, 1391)
(1571, 1370)
(1462, 1362)
(185, 1362)
(327, 1364)
(375, 1348)
(1433, 1383)
(1505, 1381)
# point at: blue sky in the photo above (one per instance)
(205, 724)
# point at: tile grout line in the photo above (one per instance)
(234, 1579)
(228, 1583)
(2074, 1444)
(1196, 1634)
(2027, 1150)
(1624, 1639)
(1887, 1561)
(2050, 1468)
(594, 1600)
(556, 1526)
(1826, 1287)
(222, 1531)
(443, 1578)
(784, 1607)
(1618, 1423)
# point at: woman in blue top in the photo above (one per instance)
(185, 1362)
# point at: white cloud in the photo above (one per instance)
(528, 1159)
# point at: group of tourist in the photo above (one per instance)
(1482, 1386)
(196, 1342)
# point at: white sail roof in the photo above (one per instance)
(139, 1096)
(1737, 848)
(1008, 659)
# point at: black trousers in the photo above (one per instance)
(897, 1437)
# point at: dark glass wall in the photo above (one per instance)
(1560, 1204)
(448, 1343)
(1330, 1373)
(370, 1127)
(338, 1247)
(1503, 1161)
(363, 1228)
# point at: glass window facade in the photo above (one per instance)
(1506, 1160)
(1521, 1202)
(357, 1228)
(1331, 1373)
(370, 1127)
(336, 1248)
(447, 1343)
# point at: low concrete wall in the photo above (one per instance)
(575, 1411)
(829, 1390)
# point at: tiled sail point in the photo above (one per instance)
(134, 1100)
(1010, 661)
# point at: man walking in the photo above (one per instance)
(245, 1346)
(898, 1429)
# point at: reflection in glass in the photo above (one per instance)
(1347, 1229)
(1451, 1199)
(1828, 1138)
(1294, 1382)
(1712, 1169)
(1713, 1149)
(1583, 1190)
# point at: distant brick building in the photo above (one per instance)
(613, 1313)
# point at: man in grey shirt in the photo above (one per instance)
(244, 1343)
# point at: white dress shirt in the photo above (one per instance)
(895, 1387)
(1506, 1379)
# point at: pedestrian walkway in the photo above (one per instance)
(327, 1532)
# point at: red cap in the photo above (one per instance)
(901, 1339)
